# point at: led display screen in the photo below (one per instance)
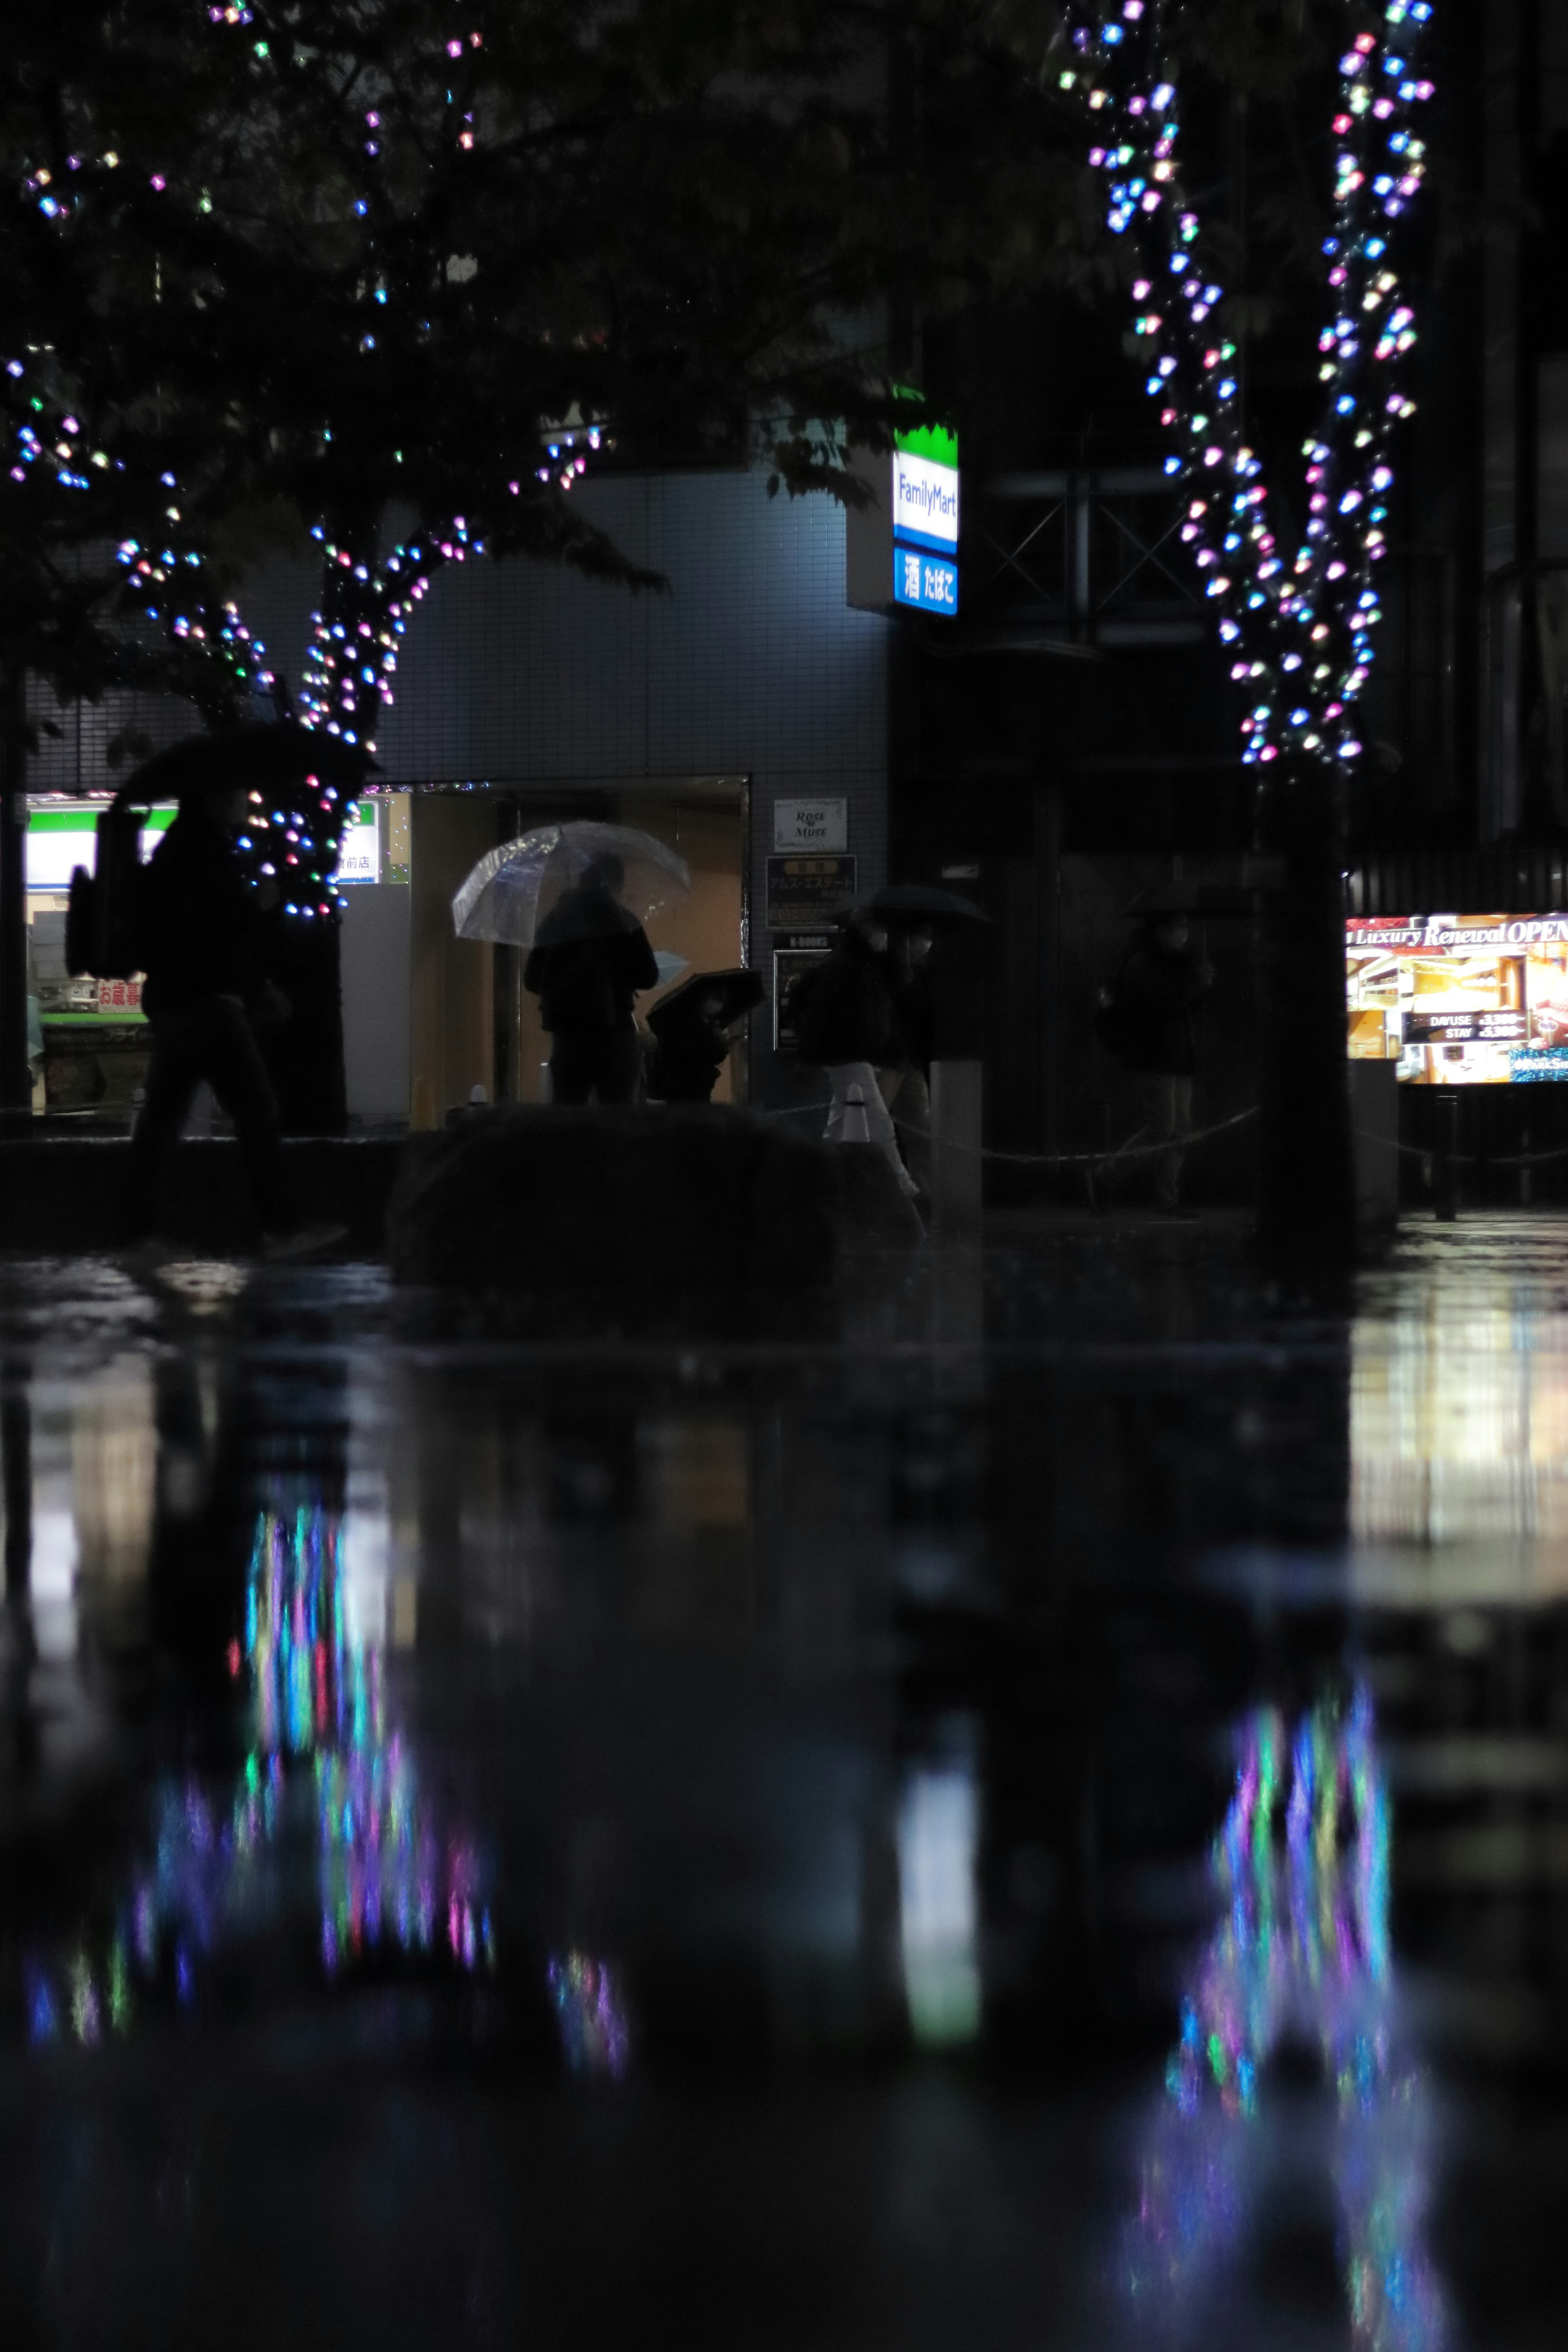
(1461, 1000)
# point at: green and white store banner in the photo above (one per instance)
(61, 836)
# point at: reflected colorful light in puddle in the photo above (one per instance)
(593, 2031)
(388, 1870)
(1301, 1950)
(938, 1835)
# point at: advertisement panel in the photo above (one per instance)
(1460, 1000)
(809, 893)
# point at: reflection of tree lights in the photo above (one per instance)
(1302, 1947)
(385, 1867)
(593, 2033)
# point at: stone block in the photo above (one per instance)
(638, 1205)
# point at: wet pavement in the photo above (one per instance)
(1043, 1823)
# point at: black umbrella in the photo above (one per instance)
(256, 756)
(742, 992)
(924, 903)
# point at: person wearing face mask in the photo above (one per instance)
(843, 1017)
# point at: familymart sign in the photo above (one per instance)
(902, 547)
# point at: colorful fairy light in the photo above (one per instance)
(1300, 630)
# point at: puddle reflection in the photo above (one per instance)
(1459, 1449)
(1299, 1966)
(939, 1838)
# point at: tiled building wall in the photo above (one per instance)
(750, 663)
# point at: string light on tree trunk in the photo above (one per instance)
(1300, 630)
(365, 606)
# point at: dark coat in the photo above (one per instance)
(589, 957)
(844, 1011)
(1155, 993)
(914, 1012)
(200, 923)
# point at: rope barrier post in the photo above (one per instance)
(957, 1160)
(1446, 1158)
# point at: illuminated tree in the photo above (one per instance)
(1299, 625)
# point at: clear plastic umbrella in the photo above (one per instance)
(514, 887)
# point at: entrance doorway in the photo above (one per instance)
(472, 1020)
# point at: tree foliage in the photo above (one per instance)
(393, 271)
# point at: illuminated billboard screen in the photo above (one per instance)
(1461, 1000)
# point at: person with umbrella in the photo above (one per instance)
(842, 1014)
(914, 912)
(691, 1030)
(590, 958)
(201, 925)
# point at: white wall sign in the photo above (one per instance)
(812, 825)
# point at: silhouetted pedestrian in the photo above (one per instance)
(590, 960)
(692, 1048)
(202, 927)
(842, 1012)
(1149, 1026)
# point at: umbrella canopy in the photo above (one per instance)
(742, 992)
(256, 757)
(514, 887)
(922, 903)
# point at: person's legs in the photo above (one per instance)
(908, 1100)
(172, 1078)
(1160, 1119)
(229, 1058)
(1181, 1127)
(570, 1070)
(618, 1066)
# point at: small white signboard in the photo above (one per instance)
(822, 824)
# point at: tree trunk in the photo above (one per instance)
(1306, 1208)
(15, 1078)
(305, 1057)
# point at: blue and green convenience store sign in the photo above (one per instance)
(60, 838)
(925, 520)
